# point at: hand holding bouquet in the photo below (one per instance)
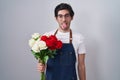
(44, 47)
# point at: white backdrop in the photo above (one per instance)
(97, 20)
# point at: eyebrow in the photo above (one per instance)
(65, 14)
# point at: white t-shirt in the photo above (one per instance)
(77, 40)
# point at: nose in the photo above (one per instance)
(63, 18)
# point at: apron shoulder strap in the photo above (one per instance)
(70, 36)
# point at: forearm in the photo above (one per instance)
(82, 72)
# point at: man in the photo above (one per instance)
(63, 66)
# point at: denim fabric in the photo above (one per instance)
(62, 67)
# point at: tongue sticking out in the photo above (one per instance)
(64, 25)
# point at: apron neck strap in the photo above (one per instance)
(70, 39)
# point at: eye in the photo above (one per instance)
(60, 16)
(67, 15)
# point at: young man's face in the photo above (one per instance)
(64, 19)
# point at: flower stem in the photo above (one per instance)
(42, 76)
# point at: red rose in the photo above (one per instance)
(44, 38)
(52, 37)
(50, 44)
(59, 44)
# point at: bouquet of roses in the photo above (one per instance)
(44, 47)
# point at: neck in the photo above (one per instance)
(61, 30)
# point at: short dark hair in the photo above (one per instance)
(63, 6)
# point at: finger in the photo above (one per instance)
(41, 64)
(41, 68)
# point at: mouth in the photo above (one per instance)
(64, 25)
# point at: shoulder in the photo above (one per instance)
(77, 36)
(50, 32)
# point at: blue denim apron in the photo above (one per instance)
(62, 67)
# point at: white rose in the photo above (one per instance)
(35, 47)
(47, 35)
(35, 35)
(31, 42)
(42, 45)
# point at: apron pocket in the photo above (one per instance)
(67, 58)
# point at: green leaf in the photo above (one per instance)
(46, 58)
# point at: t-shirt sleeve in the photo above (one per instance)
(81, 45)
